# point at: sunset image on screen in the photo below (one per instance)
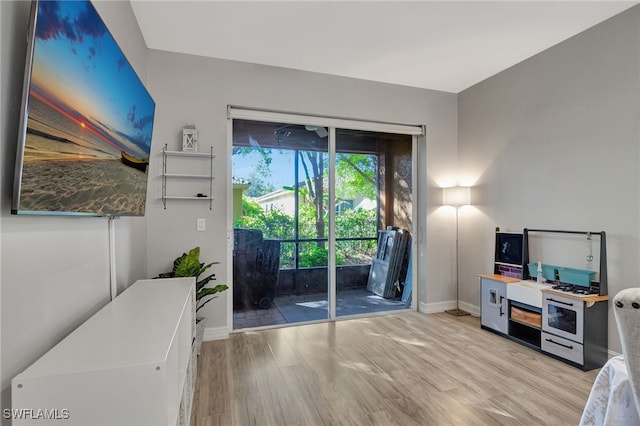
(90, 118)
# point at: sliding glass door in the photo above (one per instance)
(373, 221)
(322, 222)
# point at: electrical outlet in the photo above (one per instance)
(201, 224)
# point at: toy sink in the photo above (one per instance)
(548, 271)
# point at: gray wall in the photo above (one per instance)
(55, 270)
(197, 90)
(553, 143)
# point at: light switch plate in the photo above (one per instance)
(201, 224)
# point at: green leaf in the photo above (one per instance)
(188, 265)
(200, 284)
(204, 267)
(208, 291)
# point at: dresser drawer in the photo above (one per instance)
(563, 348)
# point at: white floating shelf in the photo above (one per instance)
(187, 154)
(170, 197)
(189, 176)
(190, 154)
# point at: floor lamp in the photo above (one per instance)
(456, 196)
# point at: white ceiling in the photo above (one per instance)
(445, 45)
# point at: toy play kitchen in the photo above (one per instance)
(557, 310)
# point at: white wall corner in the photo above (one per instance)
(215, 333)
(472, 309)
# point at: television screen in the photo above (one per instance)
(86, 119)
(509, 248)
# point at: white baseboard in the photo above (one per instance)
(433, 308)
(215, 333)
(612, 353)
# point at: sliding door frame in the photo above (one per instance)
(331, 123)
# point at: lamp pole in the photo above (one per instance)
(457, 265)
(457, 311)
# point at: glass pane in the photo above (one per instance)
(313, 195)
(279, 209)
(313, 255)
(355, 251)
(562, 319)
(373, 191)
(287, 255)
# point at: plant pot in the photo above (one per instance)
(201, 322)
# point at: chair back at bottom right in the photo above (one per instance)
(626, 305)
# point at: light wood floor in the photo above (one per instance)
(402, 369)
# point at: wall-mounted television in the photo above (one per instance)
(86, 120)
(509, 247)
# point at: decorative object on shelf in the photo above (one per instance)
(189, 265)
(189, 138)
(457, 196)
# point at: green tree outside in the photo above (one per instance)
(355, 176)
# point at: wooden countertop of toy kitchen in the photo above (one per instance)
(508, 280)
(500, 278)
(590, 300)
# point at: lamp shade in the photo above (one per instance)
(456, 196)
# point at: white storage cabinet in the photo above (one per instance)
(132, 363)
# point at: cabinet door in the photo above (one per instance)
(563, 348)
(494, 305)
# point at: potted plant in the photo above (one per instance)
(189, 265)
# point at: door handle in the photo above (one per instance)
(557, 301)
(560, 344)
(500, 303)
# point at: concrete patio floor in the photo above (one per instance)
(311, 307)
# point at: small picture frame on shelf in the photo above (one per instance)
(189, 138)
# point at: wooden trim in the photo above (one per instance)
(501, 278)
(589, 299)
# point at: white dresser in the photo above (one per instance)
(132, 363)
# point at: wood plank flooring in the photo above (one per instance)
(402, 369)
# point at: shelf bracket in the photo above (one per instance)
(164, 176)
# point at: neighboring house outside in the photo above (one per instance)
(239, 186)
(284, 201)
